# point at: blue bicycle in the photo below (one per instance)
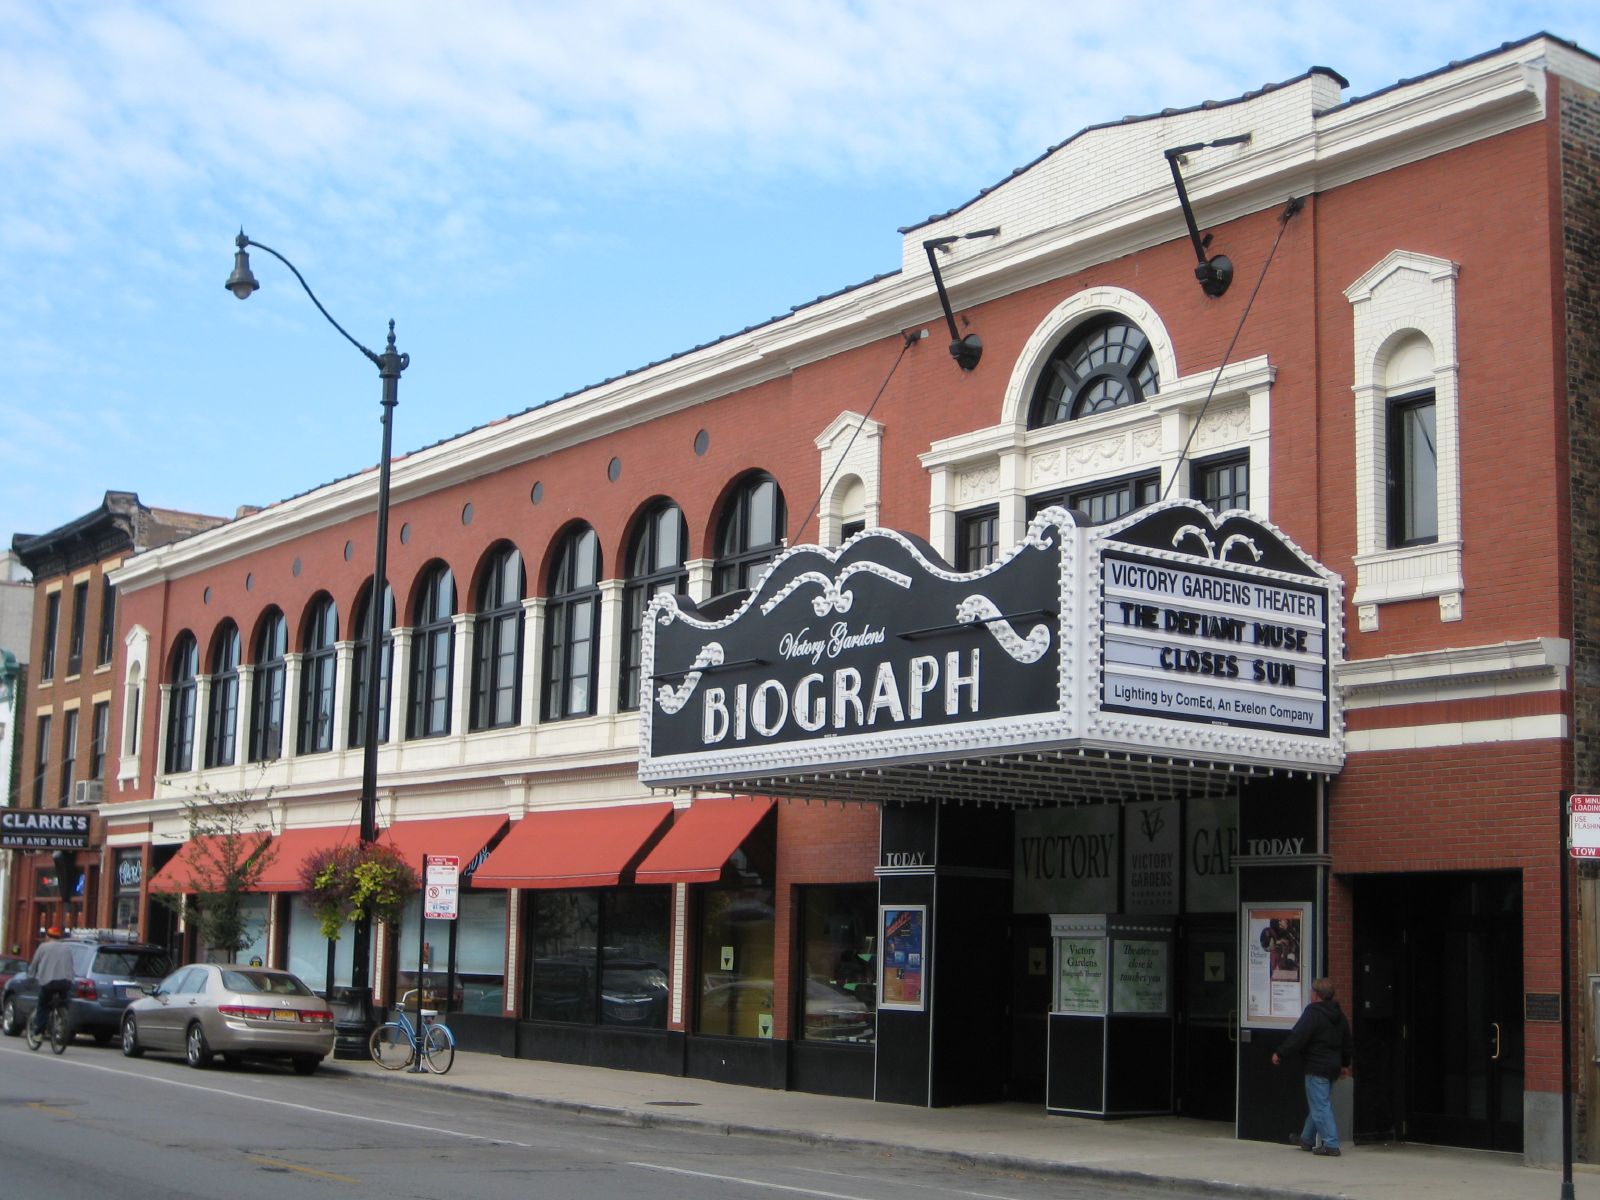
(428, 1046)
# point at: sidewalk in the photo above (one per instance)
(1011, 1136)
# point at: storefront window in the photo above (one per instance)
(840, 999)
(736, 932)
(599, 956)
(130, 874)
(480, 954)
(308, 950)
(253, 914)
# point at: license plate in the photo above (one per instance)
(284, 1014)
(132, 993)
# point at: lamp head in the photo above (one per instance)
(241, 283)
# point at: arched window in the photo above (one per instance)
(497, 642)
(317, 668)
(572, 627)
(358, 680)
(222, 719)
(180, 704)
(266, 693)
(432, 655)
(655, 566)
(750, 534)
(1104, 364)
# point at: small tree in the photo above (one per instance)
(229, 850)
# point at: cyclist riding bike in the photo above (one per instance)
(52, 967)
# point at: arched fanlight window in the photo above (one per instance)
(358, 672)
(266, 692)
(317, 668)
(572, 627)
(1102, 365)
(222, 717)
(181, 704)
(655, 566)
(750, 533)
(432, 654)
(497, 642)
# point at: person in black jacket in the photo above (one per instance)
(1321, 1038)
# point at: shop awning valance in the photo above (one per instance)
(702, 839)
(199, 859)
(578, 847)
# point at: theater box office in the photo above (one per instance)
(1071, 749)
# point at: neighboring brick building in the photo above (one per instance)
(1396, 388)
(66, 713)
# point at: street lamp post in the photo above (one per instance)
(353, 1030)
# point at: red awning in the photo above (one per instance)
(292, 847)
(702, 840)
(200, 858)
(463, 837)
(575, 847)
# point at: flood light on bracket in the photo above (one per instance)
(1214, 273)
(965, 350)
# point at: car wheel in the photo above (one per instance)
(196, 1049)
(130, 1039)
(10, 1021)
(305, 1064)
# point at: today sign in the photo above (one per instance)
(1583, 827)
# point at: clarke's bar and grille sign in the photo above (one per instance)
(1164, 632)
(43, 829)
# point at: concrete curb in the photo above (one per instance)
(966, 1158)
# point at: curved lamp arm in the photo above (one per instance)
(242, 282)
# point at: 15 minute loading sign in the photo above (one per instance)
(1583, 827)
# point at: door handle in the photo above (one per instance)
(1233, 1025)
(1495, 1056)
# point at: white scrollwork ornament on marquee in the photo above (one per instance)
(672, 699)
(834, 596)
(1232, 540)
(1026, 650)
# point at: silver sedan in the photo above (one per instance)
(239, 1012)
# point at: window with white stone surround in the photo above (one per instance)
(1201, 415)
(1404, 312)
(849, 451)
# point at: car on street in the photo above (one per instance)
(240, 1012)
(109, 971)
(11, 965)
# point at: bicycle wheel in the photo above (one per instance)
(60, 1031)
(391, 1047)
(35, 1034)
(439, 1049)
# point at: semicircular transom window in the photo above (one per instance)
(1103, 365)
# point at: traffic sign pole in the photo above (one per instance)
(1568, 803)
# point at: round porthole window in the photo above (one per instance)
(466, 514)
(702, 443)
(536, 494)
(614, 470)
(405, 533)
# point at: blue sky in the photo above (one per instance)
(541, 195)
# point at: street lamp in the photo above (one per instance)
(354, 1029)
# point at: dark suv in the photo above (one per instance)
(109, 971)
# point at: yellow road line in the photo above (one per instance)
(54, 1112)
(289, 1166)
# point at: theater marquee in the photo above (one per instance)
(1164, 631)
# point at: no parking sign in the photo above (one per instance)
(441, 886)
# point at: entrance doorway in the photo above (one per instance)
(1438, 1009)
(1208, 1016)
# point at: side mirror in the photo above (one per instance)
(151, 989)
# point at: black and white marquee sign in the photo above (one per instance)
(1165, 630)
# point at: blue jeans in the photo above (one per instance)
(1319, 1120)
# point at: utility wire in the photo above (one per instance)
(1294, 205)
(907, 341)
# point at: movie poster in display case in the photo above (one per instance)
(1278, 963)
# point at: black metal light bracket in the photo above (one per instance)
(965, 350)
(1214, 273)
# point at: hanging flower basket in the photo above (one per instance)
(345, 883)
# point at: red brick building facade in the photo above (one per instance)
(1398, 380)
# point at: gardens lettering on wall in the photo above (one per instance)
(1162, 634)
